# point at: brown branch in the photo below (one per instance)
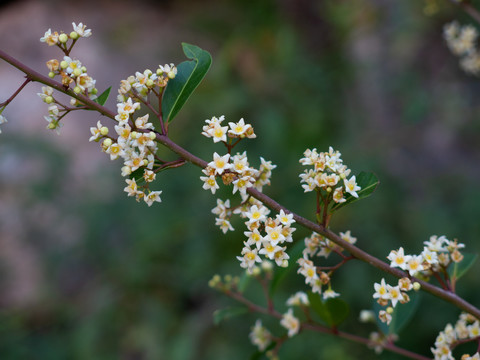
(9, 100)
(36, 76)
(323, 329)
(163, 139)
(468, 8)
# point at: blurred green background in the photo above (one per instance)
(88, 273)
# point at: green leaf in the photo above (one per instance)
(332, 311)
(401, 316)
(295, 253)
(103, 97)
(457, 270)
(368, 183)
(227, 313)
(189, 75)
(244, 281)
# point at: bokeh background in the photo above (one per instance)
(87, 273)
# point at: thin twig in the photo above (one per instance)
(319, 229)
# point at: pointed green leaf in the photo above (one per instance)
(368, 183)
(401, 316)
(189, 75)
(227, 313)
(103, 97)
(332, 311)
(295, 253)
(457, 270)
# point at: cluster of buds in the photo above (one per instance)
(228, 282)
(461, 40)
(328, 176)
(467, 328)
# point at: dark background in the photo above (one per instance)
(87, 273)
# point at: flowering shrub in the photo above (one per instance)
(270, 247)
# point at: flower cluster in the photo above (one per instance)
(135, 144)
(317, 245)
(462, 42)
(392, 295)
(329, 175)
(72, 72)
(467, 328)
(265, 235)
(142, 84)
(436, 256)
(61, 39)
(438, 253)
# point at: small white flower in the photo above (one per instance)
(220, 163)
(351, 186)
(82, 30)
(290, 322)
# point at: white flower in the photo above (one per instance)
(81, 30)
(381, 291)
(414, 264)
(238, 129)
(218, 133)
(290, 322)
(224, 225)
(284, 218)
(394, 294)
(351, 186)
(298, 299)
(209, 183)
(398, 259)
(220, 163)
(249, 257)
(49, 38)
(152, 197)
(260, 336)
(329, 294)
(347, 236)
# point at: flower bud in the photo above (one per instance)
(104, 130)
(416, 286)
(51, 74)
(63, 38)
(171, 74)
(107, 142)
(150, 83)
(77, 72)
(389, 310)
(152, 135)
(48, 99)
(77, 90)
(63, 64)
